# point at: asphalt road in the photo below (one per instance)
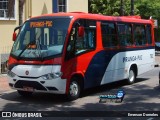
(144, 95)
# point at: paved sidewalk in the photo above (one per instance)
(4, 84)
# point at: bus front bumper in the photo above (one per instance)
(57, 86)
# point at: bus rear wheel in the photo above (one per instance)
(74, 90)
(24, 93)
(132, 76)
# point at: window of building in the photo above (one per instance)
(139, 35)
(109, 34)
(125, 34)
(4, 5)
(61, 5)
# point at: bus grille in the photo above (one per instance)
(34, 84)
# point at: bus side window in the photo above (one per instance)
(125, 34)
(91, 37)
(148, 34)
(86, 42)
(80, 44)
(139, 35)
(109, 38)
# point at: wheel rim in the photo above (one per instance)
(74, 89)
(131, 76)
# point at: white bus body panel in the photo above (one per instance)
(119, 66)
(35, 73)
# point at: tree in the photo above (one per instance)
(11, 4)
(110, 7)
(144, 8)
(148, 9)
(21, 5)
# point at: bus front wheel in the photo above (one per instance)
(24, 93)
(132, 76)
(74, 90)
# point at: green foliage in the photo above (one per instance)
(110, 7)
(144, 8)
(149, 8)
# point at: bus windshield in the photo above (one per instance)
(41, 38)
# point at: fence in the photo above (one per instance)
(4, 54)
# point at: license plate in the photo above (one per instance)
(30, 89)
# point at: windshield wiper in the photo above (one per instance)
(30, 43)
(36, 42)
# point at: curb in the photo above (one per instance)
(3, 75)
(7, 92)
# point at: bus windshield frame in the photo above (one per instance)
(41, 38)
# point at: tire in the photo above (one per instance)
(74, 90)
(132, 76)
(24, 93)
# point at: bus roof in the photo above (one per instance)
(76, 15)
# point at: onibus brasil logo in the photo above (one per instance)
(116, 98)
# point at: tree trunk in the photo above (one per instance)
(21, 4)
(11, 4)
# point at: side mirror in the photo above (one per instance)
(81, 31)
(14, 36)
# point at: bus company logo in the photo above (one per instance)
(116, 98)
(27, 72)
(132, 58)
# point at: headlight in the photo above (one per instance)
(11, 74)
(52, 76)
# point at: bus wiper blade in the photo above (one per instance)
(32, 42)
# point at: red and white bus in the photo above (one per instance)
(65, 53)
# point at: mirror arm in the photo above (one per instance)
(17, 28)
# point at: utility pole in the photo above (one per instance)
(122, 9)
(132, 7)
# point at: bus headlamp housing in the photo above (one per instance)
(11, 74)
(52, 76)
